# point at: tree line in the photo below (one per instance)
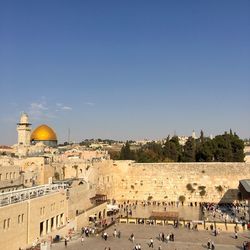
(227, 147)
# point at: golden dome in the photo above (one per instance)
(43, 133)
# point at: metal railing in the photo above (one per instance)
(16, 196)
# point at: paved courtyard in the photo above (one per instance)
(184, 239)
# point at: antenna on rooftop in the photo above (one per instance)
(68, 135)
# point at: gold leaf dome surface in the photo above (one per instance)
(43, 133)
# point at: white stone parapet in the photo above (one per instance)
(12, 197)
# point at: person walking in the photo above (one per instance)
(151, 244)
(132, 237)
(163, 237)
(119, 234)
(212, 245)
(65, 242)
(160, 236)
(115, 233)
(82, 240)
(236, 235)
(105, 236)
(209, 244)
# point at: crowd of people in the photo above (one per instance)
(236, 213)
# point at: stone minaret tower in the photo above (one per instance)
(24, 130)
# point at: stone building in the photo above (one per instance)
(10, 177)
(30, 144)
(44, 211)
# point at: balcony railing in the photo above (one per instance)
(16, 196)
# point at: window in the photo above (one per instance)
(42, 209)
(6, 223)
(10, 175)
(53, 206)
(6, 176)
(14, 175)
(20, 218)
(0, 177)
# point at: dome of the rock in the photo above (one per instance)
(44, 134)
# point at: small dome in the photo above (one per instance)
(43, 133)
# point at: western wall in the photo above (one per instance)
(197, 182)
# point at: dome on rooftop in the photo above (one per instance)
(45, 134)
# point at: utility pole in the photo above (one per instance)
(68, 135)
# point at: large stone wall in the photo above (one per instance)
(126, 180)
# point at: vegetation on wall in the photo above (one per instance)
(190, 187)
(182, 198)
(150, 198)
(202, 192)
(219, 188)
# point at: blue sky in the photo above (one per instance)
(125, 69)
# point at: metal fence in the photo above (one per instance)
(16, 196)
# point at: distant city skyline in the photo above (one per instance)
(125, 70)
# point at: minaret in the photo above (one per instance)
(193, 135)
(24, 130)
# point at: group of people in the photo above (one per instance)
(117, 234)
(137, 247)
(225, 212)
(169, 237)
(210, 245)
(88, 231)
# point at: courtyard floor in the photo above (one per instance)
(184, 239)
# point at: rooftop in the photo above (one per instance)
(246, 184)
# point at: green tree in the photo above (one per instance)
(237, 146)
(189, 150)
(223, 149)
(126, 153)
(171, 150)
(204, 149)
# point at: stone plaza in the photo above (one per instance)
(184, 239)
